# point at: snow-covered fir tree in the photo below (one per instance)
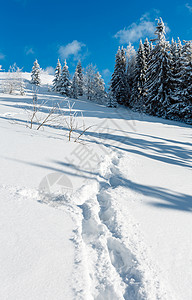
(147, 50)
(119, 77)
(35, 74)
(75, 86)
(158, 72)
(176, 71)
(111, 100)
(131, 61)
(186, 81)
(79, 71)
(56, 80)
(64, 82)
(89, 80)
(138, 91)
(187, 72)
(115, 79)
(165, 83)
(99, 87)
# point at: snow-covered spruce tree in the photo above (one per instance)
(131, 61)
(176, 73)
(35, 74)
(111, 101)
(89, 80)
(99, 87)
(56, 80)
(79, 71)
(119, 78)
(157, 77)
(64, 82)
(147, 50)
(75, 86)
(115, 79)
(186, 82)
(138, 91)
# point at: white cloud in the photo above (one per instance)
(144, 28)
(72, 49)
(189, 7)
(136, 31)
(29, 51)
(2, 56)
(50, 70)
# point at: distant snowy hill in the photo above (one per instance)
(107, 217)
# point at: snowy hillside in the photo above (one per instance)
(107, 217)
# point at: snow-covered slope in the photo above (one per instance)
(114, 220)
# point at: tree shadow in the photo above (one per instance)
(160, 150)
(168, 199)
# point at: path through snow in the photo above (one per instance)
(110, 253)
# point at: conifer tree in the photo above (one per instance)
(75, 86)
(89, 80)
(119, 79)
(138, 92)
(116, 75)
(187, 72)
(35, 74)
(56, 80)
(64, 82)
(176, 71)
(157, 76)
(111, 101)
(130, 74)
(80, 79)
(186, 82)
(99, 87)
(173, 72)
(147, 50)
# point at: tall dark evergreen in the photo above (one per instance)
(176, 88)
(157, 78)
(75, 86)
(147, 50)
(186, 81)
(119, 79)
(35, 74)
(187, 72)
(56, 80)
(64, 82)
(138, 91)
(80, 79)
(174, 73)
(130, 73)
(111, 101)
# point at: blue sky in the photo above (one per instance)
(86, 30)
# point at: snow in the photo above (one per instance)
(35, 248)
(108, 218)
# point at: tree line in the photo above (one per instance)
(156, 79)
(86, 82)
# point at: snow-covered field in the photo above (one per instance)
(108, 218)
